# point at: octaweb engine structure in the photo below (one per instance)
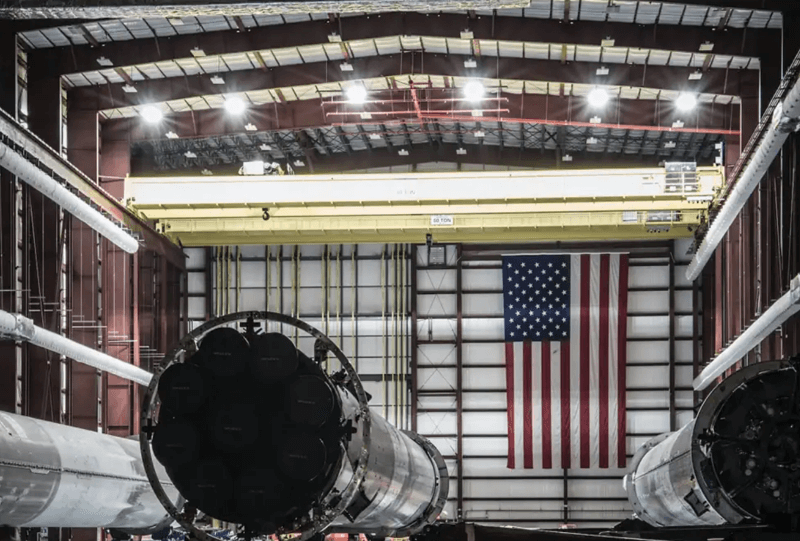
(252, 430)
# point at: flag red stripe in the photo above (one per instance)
(566, 442)
(622, 358)
(603, 358)
(585, 363)
(510, 402)
(527, 397)
(547, 436)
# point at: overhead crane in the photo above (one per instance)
(634, 204)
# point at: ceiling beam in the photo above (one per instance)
(531, 108)
(487, 155)
(80, 58)
(713, 81)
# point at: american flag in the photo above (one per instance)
(565, 344)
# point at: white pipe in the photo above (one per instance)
(18, 327)
(752, 174)
(17, 165)
(779, 312)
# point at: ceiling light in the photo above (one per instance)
(346, 66)
(598, 98)
(265, 146)
(696, 75)
(197, 52)
(333, 37)
(217, 80)
(479, 133)
(678, 124)
(299, 163)
(151, 114)
(591, 141)
(375, 136)
(171, 135)
(190, 154)
(706, 47)
(206, 172)
(128, 89)
(686, 101)
(356, 93)
(595, 120)
(607, 42)
(250, 127)
(235, 105)
(566, 158)
(103, 61)
(461, 151)
(474, 90)
(670, 144)
(470, 63)
(602, 70)
(467, 34)
(366, 116)
(402, 152)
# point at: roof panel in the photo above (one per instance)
(434, 44)
(312, 53)
(411, 42)
(287, 56)
(388, 45)
(333, 51)
(587, 53)
(459, 46)
(362, 47)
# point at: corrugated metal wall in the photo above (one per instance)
(460, 369)
(355, 294)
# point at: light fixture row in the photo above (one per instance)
(473, 90)
(151, 114)
(598, 98)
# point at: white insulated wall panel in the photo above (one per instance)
(535, 497)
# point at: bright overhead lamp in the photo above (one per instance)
(151, 114)
(598, 97)
(474, 90)
(235, 105)
(356, 94)
(686, 101)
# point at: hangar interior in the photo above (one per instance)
(366, 168)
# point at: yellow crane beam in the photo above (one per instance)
(453, 207)
(473, 227)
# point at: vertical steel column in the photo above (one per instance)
(208, 276)
(459, 389)
(718, 294)
(672, 409)
(413, 330)
(267, 278)
(10, 289)
(355, 306)
(385, 346)
(696, 351)
(136, 338)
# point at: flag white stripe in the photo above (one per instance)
(519, 410)
(536, 386)
(613, 329)
(575, 359)
(555, 402)
(594, 359)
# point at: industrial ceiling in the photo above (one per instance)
(292, 70)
